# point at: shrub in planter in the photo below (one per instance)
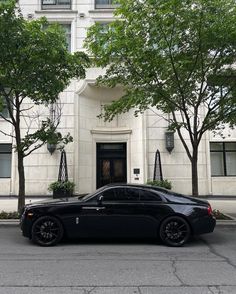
(62, 189)
(164, 184)
(9, 215)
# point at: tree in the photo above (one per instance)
(177, 56)
(34, 64)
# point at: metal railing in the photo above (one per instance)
(56, 4)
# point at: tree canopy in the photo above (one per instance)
(35, 66)
(177, 56)
(34, 60)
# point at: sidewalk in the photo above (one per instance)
(9, 203)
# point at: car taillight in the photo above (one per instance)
(209, 210)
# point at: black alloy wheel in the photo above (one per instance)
(175, 231)
(47, 231)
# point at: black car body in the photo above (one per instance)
(121, 210)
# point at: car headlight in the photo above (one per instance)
(29, 214)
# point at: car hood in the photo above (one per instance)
(49, 202)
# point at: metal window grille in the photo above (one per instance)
(56, 4)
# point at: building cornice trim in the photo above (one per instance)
(47, 11)
(111, 131)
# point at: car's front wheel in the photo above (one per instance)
(47, 231)
(175, 231)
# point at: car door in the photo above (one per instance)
(124, 215)
(83, 218)
(100, 218)
(119, 214)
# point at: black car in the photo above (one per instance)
(122, 210)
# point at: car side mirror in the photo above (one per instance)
(100, 199)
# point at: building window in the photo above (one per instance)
(105, 4)
(4, 112)
(5, 160)
(67, 29)
(223, 158)
(56, 4)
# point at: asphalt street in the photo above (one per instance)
(206, 265)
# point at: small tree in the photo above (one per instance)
(34, 64)
(177, 56)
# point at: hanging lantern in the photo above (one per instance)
(51, 148)
(169, 135)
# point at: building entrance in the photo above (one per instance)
(111, 163)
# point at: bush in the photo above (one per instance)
(164, 184)
(59, 185)
(219, 215)
(9, 215)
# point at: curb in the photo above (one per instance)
(227, 223)
(9, 222)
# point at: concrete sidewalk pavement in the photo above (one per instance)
(9, 204)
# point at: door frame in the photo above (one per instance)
(111, 157)
(105, 138)
(109, 135)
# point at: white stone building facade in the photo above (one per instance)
(122, 150)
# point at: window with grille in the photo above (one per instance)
(56, 4)
(4, 110)
(223, 158)
(5, 160)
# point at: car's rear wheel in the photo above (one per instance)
(47, 231)
(175, 231)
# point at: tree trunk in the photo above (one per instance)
(21, 173)
(194, 171)
(20, 157)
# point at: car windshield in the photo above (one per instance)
(87, 196)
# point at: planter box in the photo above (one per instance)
(62, 193)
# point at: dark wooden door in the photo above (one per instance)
(111, 163)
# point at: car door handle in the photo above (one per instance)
(93, 207)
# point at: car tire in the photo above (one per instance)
(47, 231)
(175, 231)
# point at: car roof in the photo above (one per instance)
(167, 194)
(131, 185)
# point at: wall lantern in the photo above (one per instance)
(170, 144)
(51, 148)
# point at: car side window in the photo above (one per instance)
(109, 195)
(133, 194)
(149, 196)
(127, 194)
